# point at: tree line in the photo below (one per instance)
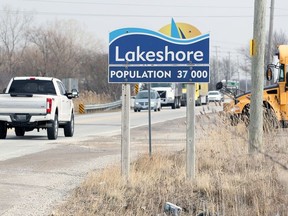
(63, 49)
(59, 49)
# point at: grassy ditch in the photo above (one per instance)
(228, 180)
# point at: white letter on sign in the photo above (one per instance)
(117, 55)
(112, 74)
(198, 56)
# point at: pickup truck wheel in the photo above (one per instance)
(173, 106)
(52, 132)
(19, 131)
(69, 127)
(3, 130)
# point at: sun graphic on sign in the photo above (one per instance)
(180, 30)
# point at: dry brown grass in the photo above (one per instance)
(228, 180)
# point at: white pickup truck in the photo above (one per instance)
(30, 103)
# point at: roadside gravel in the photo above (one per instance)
(34, 188)
(36, 184)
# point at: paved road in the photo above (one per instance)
(86, 126)
(36, 173)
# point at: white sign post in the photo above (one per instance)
(190, 131)
(125, 131)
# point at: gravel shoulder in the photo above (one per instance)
(34, 184)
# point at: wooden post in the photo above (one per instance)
(256, 108)
(125, 131)
(190, 132)
(149, 120)
(269, 56)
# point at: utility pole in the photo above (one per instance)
(238, 73)
(268, 59)
(246, 75)
(229, 68)
(256, 108)
(216, 66)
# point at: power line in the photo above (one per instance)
(138, 5)
(225, 42)
(129, 15)
(148, 5)
(283, 9)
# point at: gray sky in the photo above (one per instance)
(229, 22)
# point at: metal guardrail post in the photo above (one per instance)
(81, 108)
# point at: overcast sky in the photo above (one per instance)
(229, 22)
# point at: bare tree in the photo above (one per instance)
(278, 39)
(61, 49)
(13, 41)
(94, 75)
(58, 47)
(227, 68)
(245, 67)
(214, 78)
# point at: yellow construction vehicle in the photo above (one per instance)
(275, 96)
(201, 91)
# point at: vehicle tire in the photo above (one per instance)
(69, 127)
(234, 119)
(3, 130)
(173, 106)
(52, 132)
(178, 105)
(283, 124)
(19, 131)
(245, 115)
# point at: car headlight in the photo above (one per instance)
(136, 103)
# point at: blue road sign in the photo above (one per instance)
(141, 55)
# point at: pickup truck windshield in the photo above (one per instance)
(32, 87)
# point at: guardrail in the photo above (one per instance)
(107, 106)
